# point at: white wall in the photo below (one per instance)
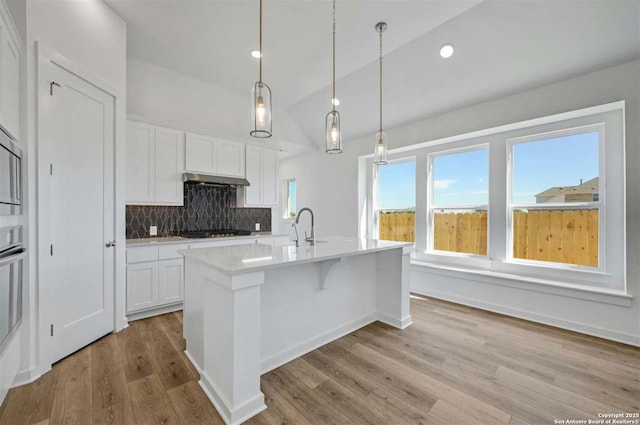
(165, 95)
(329, 185)
(88, 34)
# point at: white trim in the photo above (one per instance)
(538, 318)
(156, 311)
(579, 113)
(198, 131)
(242, 413)
(585, 292)
(12, 28)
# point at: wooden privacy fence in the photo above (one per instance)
(562, 236)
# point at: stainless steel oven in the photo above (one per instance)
(12, 254)
(10, 176)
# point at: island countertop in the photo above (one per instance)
(238, 259)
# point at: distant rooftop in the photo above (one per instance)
(590, 186)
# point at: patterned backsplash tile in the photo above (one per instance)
(205, 208)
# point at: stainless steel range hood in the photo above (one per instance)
(211, 180)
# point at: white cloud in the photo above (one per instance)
(443, 184)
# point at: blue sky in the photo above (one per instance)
(462, 179)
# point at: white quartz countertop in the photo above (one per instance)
(178, 239)
(238, 259)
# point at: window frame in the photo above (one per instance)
(600, 128)
(375, 192)
(431, 156)
(285, 205)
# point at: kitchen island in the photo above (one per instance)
(251, 308)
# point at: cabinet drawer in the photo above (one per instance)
(170, 252)
(142, 254)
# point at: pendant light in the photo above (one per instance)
(333, 134)
(261, 100)
(380, 152)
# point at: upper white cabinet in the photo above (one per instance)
(9, 79)
(155, 158)
(214, 156)
(262, 173)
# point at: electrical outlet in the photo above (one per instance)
(257, 227)
(153, 230)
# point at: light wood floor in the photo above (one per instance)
(455, 365)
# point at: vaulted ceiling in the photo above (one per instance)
(502, 47)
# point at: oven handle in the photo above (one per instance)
(12, 255)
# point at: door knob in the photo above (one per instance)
(109, 244)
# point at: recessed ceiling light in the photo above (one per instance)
(446, 51)
(255, 54)
(335, 101)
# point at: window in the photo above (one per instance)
(459, 194)
(555, 206)
(290, 197)
(541, 201)
(396, 200)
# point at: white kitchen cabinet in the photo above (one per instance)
(9, 78)
(155, 157)
(170, 281)
(142, 286)
(262, 173)
(210, 155)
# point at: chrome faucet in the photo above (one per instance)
(311, 239)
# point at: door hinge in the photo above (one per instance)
(51, 169)
(52, 329)
(51, 248)
(51, 84)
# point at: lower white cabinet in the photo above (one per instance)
(142, 286)
(170, 281)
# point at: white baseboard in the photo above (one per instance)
(240, 413)
(396, 323)
(535, 317)
(153, 312)
(193, 362)
(27, 376)
(299, 350)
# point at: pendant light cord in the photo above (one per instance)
(260, 40)
(333, 99)
(381, 31)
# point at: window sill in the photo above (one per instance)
(585, 292)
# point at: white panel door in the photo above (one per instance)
(230, 158)
(169, 166)
(76, 139)
(170, 281)
(269, 177)
(200, 154)
(10, 84)
(253, 193)
(140, 162)
(142, 286)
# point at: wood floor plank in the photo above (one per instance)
(168, 363)
(32, 403)
(151, 405)
(109, 382)
(72, 401)
(455, 365)
(305, 372)
(193, 406)
(135, 354)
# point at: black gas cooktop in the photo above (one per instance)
(197, 234)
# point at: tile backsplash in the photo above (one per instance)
(205, 208)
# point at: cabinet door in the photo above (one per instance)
(170, 281)
(142, 286)
(140, 163)
(169, 166)
(230, 158)
(200, 154)
(253, 193)
(10, 112)
(269, 177)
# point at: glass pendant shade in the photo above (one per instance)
(261, 110)
(333, 134)
(380, 152)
